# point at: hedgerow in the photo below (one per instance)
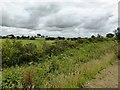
(16, 53)
(71, 68)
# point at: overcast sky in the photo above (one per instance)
(76, 18)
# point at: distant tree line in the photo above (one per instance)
(109, 35)
(11, 36)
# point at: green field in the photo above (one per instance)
(38, 41)
(67, 68)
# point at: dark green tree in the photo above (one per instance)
(109, 35)
(117, 34)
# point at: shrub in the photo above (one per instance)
(57, 47)
(11, 50)
(82, 41)
(12, 78)
(15, 53)
(32, 38)
(30, 53)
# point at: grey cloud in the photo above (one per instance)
(96, 23)
(119, 13)
(6, 21)
(13, 30)
(37, 12)
(62, 22)
(42, 9)
(32, 21)
(53, 29)
(68, 21)
(11, 20)
(65, 19)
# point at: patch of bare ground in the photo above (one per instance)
(107, 78)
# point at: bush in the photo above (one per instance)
(82, 41)
(15, 53)
(11, 50)
(30, 53)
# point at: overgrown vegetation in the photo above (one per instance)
(16, 53)
(117, 34)
(62, 63)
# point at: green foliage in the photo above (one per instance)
(82, 41)
(109, 35)
(117, 34)
(57, 47)
(11, 78)
(15, 53)
(119, 50)
(62, 61)
(30, 53)
(67, 63)
(11, 52)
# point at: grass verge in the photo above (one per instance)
(70, 69)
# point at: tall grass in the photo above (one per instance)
(70, 68)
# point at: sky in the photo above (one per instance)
(68, 18)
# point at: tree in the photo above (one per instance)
(99, 36)
(11, 36)
(117, 34)
(109, 35)
(32, 38)
(92, 36)
(38, 35)
(17, 37)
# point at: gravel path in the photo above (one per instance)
(107, 78)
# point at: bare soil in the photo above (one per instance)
(107, 78)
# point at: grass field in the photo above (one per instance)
(38, 41)
(69, 69)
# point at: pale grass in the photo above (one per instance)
(77, 78)
(0, 63)
(1, 44)
(0, 79)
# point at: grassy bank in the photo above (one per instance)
(71, 68)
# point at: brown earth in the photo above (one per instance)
(107, 78)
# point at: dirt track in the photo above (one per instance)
(107, 78)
